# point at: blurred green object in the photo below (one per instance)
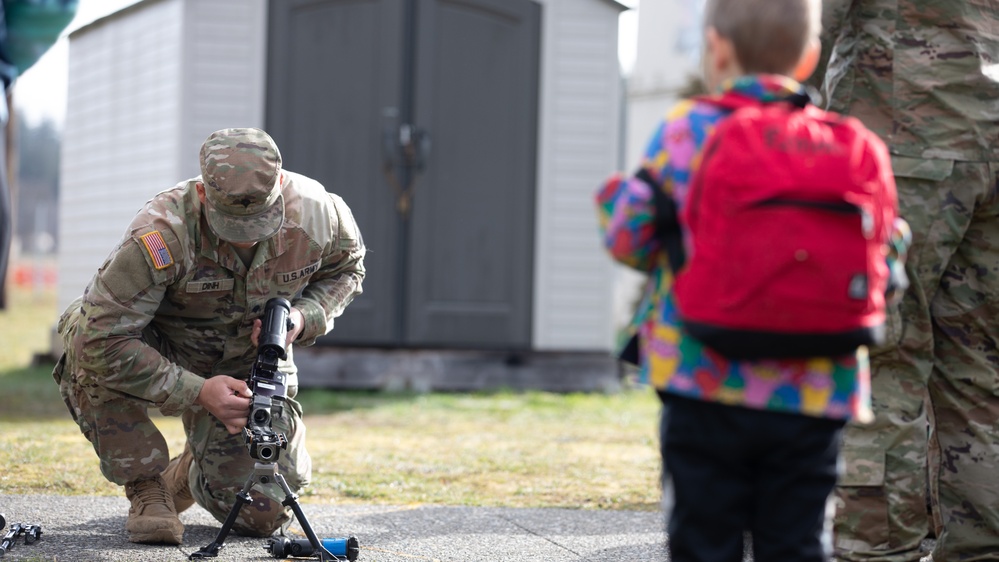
(33, 26)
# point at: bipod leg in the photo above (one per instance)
(291, 500)
(242, 498)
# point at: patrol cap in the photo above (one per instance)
(240, 169)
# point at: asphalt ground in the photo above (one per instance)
(92, 529)
(85, 529)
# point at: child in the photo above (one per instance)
(748, 445)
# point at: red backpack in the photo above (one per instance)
(788, 214)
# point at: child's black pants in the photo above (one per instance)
(735, 469)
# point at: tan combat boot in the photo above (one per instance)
(152, 518)
(175, 478)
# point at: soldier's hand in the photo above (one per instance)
(227, 399)
(298, 322)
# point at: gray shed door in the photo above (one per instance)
(422, 114)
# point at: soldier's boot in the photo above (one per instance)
(175, 478)
(152, 517)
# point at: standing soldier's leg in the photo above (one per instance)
(131, 449)
(881, 497)
(881, 500)
(222, 464)
(964, 387)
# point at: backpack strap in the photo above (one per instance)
(800, 100)
(667, 223)
(670, 237)
(733, 100)
(730, 101)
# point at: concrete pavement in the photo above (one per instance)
(92, 529)
(85, 529)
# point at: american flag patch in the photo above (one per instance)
(157, 249)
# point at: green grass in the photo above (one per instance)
(25, 326)
(512, 449)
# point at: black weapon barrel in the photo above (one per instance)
(274, 330)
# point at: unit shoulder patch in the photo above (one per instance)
(157, 249)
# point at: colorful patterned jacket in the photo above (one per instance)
(672, 362)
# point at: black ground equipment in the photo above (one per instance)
(30, 533)
(269, 389)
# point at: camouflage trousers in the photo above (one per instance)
(935, 383)
(131, 447)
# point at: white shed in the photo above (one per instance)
(518, 103)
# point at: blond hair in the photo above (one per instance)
(769, 36)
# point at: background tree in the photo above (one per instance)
(36, 188)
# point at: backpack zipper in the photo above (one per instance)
(866, 220)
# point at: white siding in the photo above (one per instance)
(120, 136)
(149, 84)
(224, 68)
(579, 140)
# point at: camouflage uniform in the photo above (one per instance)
(924, 74)
(173, 305)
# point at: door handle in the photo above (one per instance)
(415, 144)
(405, 153)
